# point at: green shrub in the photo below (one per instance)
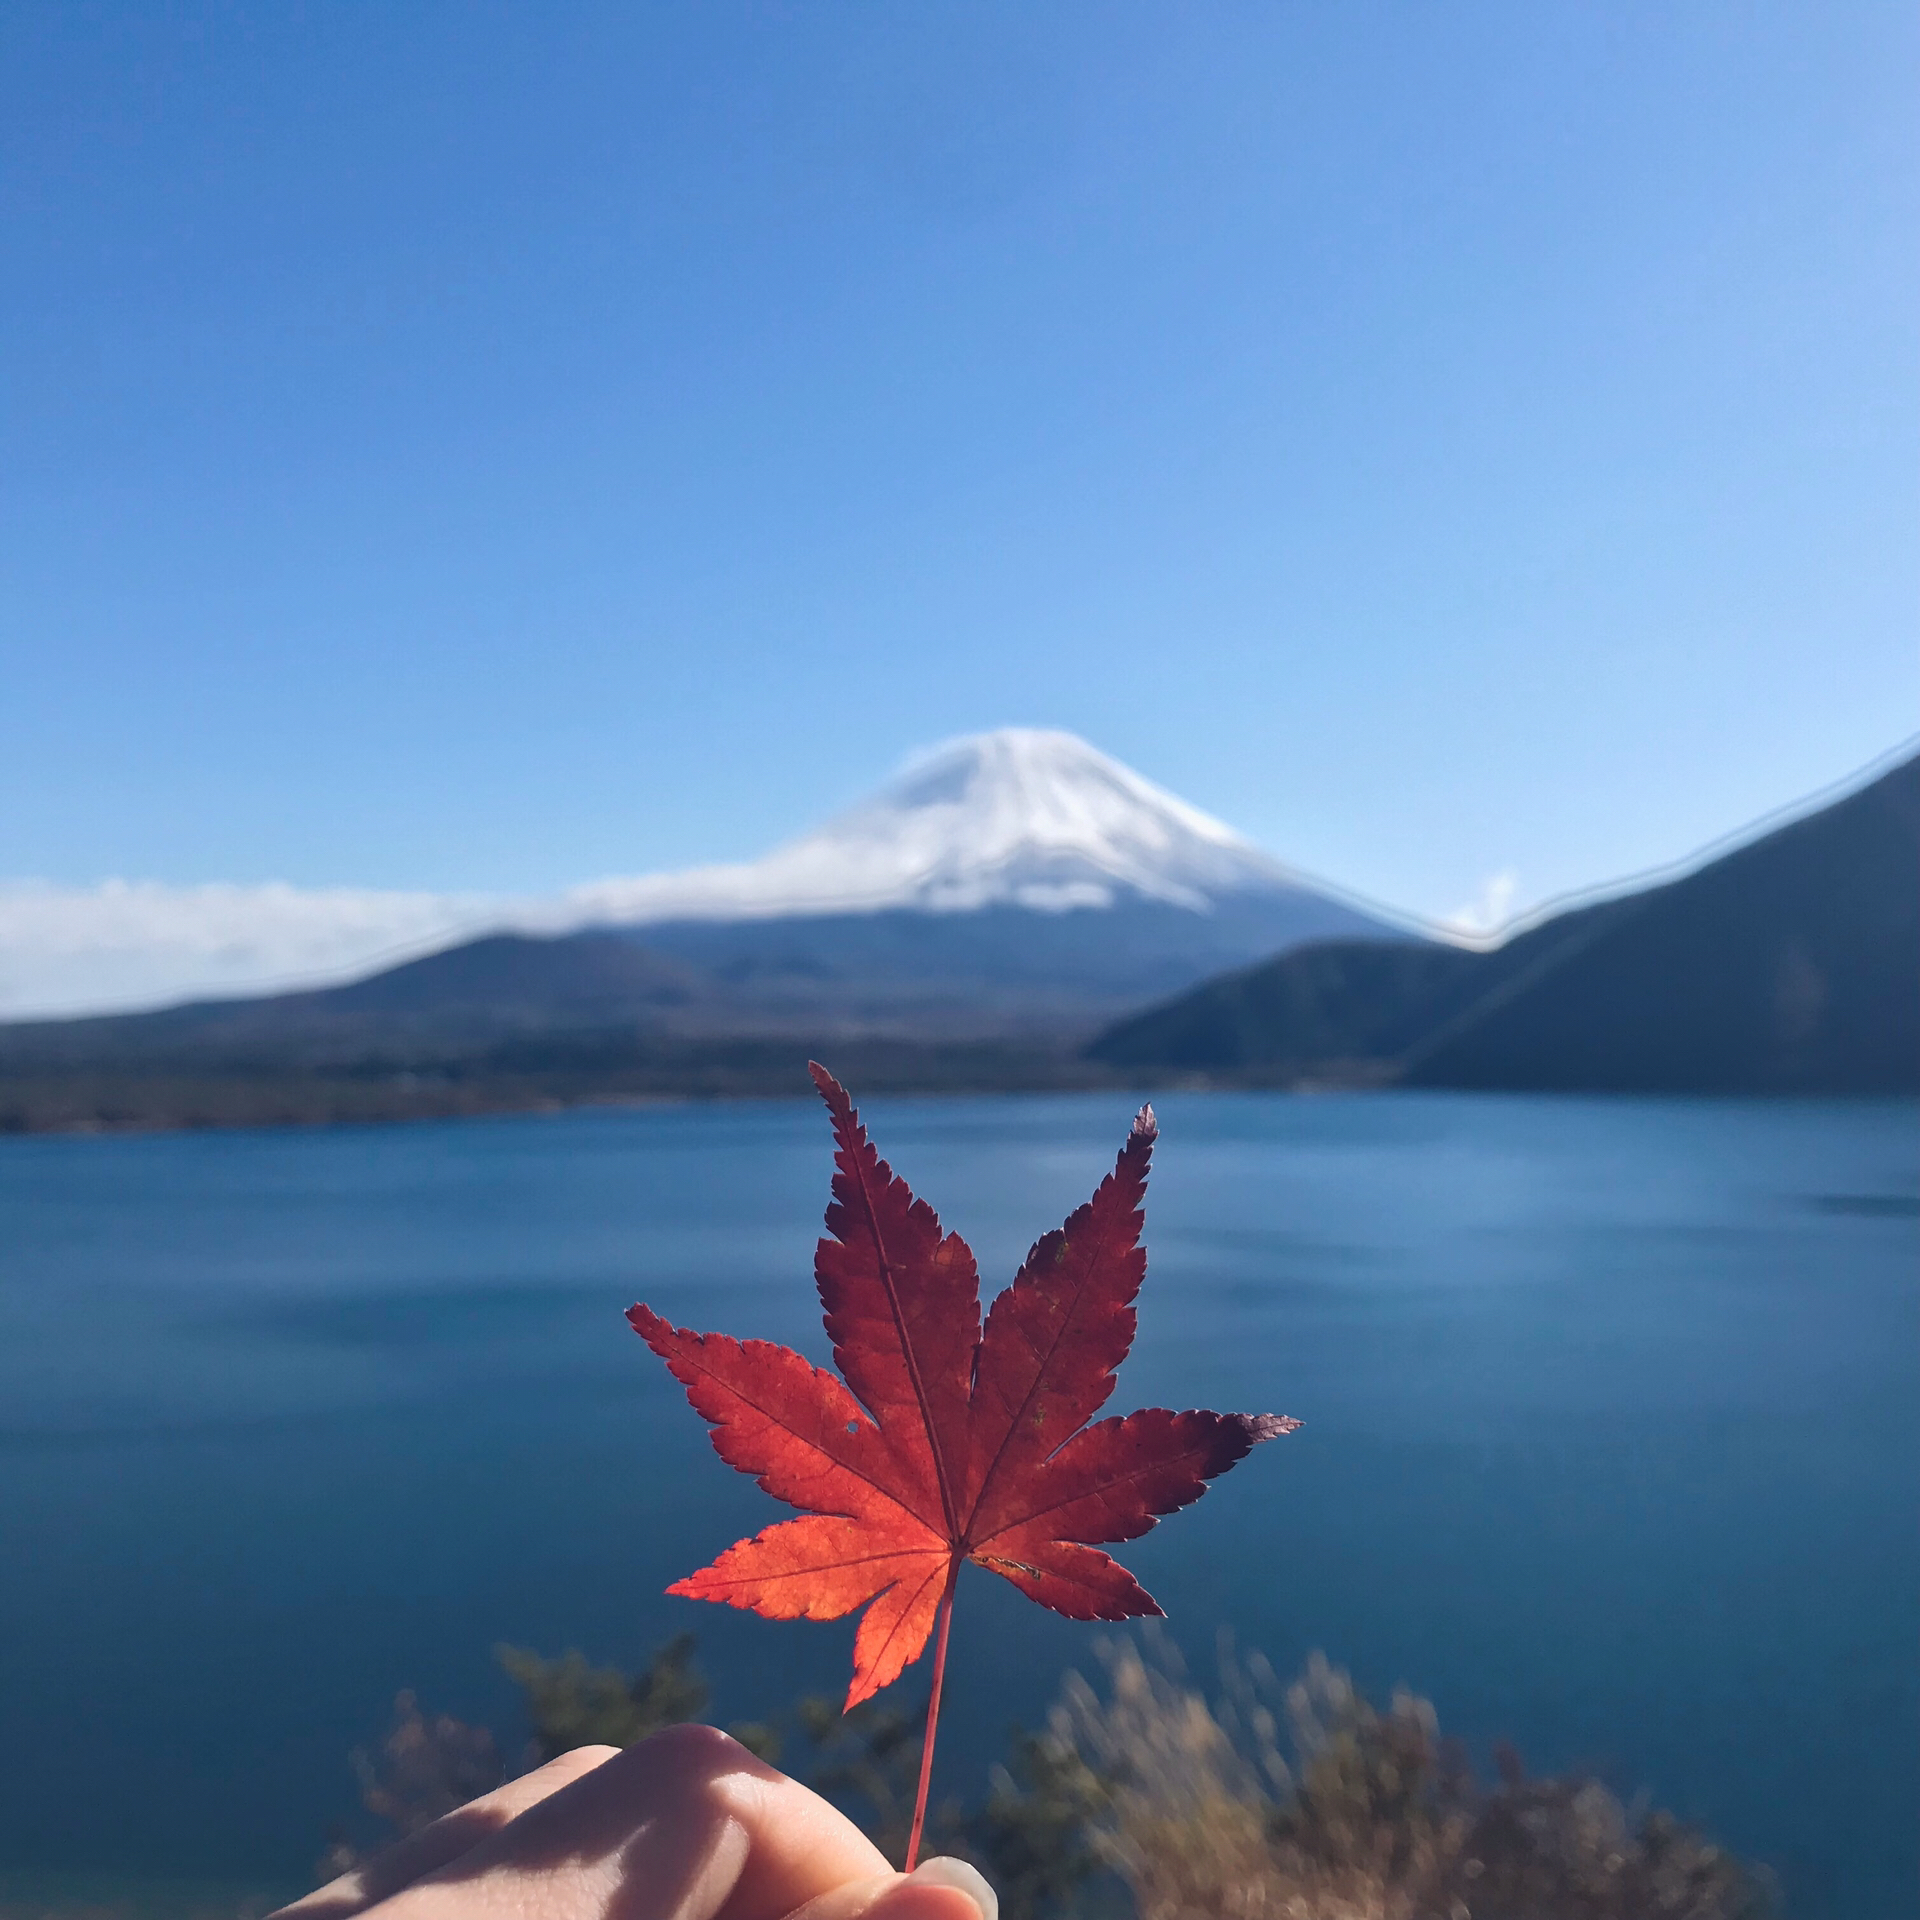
(573, 1704)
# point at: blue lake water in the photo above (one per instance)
(1610, 1447)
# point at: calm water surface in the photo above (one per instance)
(1610, 1443)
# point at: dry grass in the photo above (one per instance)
(1366, 1816)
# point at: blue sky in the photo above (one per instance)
(482, 447)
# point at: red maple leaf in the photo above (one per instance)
(945, 1442)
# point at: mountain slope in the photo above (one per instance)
(1789, 965)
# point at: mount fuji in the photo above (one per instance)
(974, 922)
(1022, 817)
(1006, 881)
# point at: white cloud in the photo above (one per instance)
(1489, 911)
(138, 943)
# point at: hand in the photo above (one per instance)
(685, 1826)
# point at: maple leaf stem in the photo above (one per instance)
(933, 1717)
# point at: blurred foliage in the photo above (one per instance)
(1030, 1837)
(1035, 1836)
(867, 1763)
(1266, 1802)
(1374, 1817)
(425, 1767)
(573, 1704)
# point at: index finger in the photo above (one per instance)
(688, 1825)
(400, 1865)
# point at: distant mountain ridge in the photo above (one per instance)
(980, 917)
(1789, 965)
(1010, 882)
(1025, 819)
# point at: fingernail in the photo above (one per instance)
(943, 1870)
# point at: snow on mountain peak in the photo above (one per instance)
(1023, 816)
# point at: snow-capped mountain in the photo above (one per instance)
(1022, 817)
(1016, 880)
(1016, 865)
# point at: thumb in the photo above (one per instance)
(942, 1888)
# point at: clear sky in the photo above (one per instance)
(479, 447)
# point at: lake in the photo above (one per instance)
(1612, 1443)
